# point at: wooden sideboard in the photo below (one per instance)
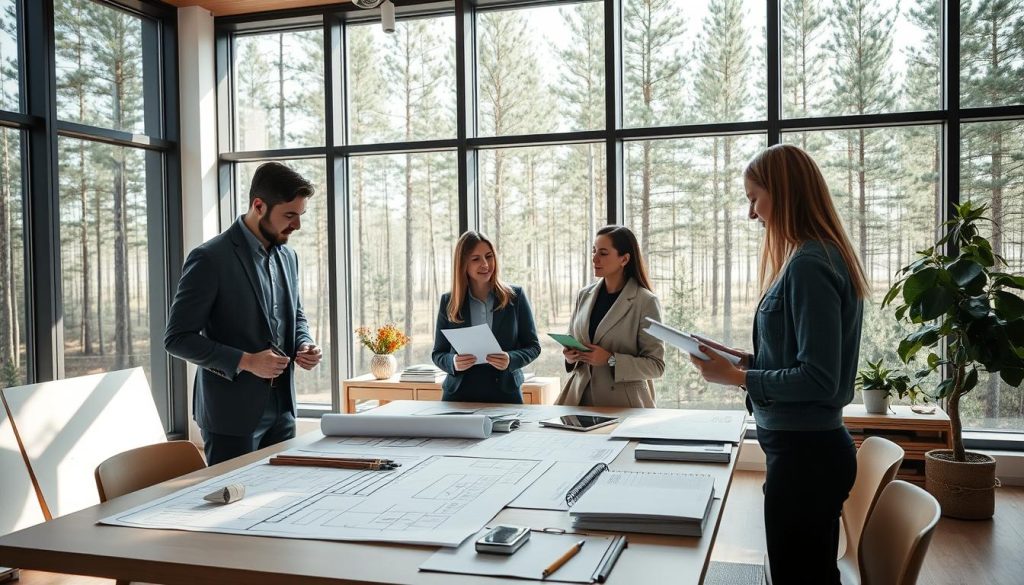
(916, 433)
(536, 390)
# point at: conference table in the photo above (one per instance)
(77, 544)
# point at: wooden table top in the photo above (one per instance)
(77, 544)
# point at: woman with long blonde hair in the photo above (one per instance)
(801, 373)
(479, 297)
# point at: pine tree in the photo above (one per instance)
(803, 24)
(862, 84)
(722, 95)
(992, 53)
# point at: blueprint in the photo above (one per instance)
(432, 500)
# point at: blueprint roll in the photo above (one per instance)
(456, 426)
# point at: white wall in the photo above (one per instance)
(198, 102)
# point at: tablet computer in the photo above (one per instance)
(568, 341)
(579, 422)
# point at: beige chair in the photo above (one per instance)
(145, 466)
(878, 460)
(896, 536)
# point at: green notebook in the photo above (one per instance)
(568, 341)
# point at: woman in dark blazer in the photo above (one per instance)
(800, 375)
(479, 297)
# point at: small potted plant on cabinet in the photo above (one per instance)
(963, 312)
(878, 384)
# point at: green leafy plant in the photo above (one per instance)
(964, 313)
(896, 383)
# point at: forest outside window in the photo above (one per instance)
(279, 84)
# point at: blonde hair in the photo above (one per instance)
(460, 282)
(802, 210)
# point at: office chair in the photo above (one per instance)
(878, 460)
(896, 536)
(145, 466)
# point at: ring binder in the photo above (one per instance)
(581, 486)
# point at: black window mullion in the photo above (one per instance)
(45, 311)
(225, 124)
(951, 103)
(773, 71)
(466, 108)
(337, 203)
(613, 80)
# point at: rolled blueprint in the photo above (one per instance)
(457, 426)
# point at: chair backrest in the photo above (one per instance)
(897, 535)
(878, 460)
(145, 466)
(67, 427)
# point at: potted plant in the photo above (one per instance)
(964, 313)
(385, 342)
(878, 384)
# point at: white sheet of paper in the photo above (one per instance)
(439, 501)
(477, 340)
(684, 341)
(703, 426)
(548, 492)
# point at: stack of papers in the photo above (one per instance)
(659, 503)
(700, 452)
(422, 373)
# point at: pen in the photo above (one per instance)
(562, 559)
(280, 352)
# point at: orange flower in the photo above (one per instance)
(388, 339)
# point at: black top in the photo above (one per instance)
(602, 303)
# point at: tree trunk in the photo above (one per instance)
(727, 246)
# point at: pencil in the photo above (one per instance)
(372, 466)
(562, 559)
(333, 458)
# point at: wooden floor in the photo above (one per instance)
(961, 553)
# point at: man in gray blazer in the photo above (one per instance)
(238, 316)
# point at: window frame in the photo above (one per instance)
(42, 129)
(614, 135)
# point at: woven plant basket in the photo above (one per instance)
(964, 490)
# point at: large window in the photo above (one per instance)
(88, 174)
(538, 123)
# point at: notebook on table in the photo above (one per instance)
(699, 452)
(636, 501)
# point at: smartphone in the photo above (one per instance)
(503, 539)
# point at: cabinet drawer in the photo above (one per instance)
(428, 394)
(363, 393)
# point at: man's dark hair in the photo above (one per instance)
(274, 183)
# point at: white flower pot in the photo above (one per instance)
(876, 401)
(383, 366)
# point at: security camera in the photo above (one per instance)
(387, 16)
(367, 3)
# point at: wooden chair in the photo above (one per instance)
(878, 460)
(145, 466)
(142, 467)
(896, 536)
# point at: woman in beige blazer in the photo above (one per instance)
(609, 318)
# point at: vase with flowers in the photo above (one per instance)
(384, 343)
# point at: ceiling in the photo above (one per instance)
(229, 7)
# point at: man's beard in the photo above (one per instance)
(275, 239)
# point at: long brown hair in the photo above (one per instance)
(802, 210)
(460, 282)
(624, 243)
